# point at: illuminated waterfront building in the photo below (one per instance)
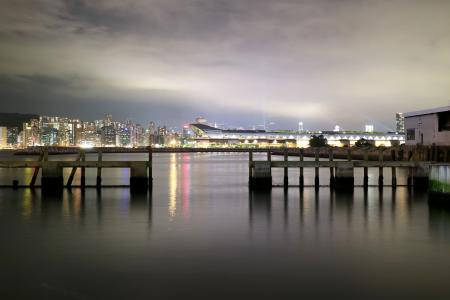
(207, 136)
(139, 136)
(64, 128)
(30, 133)
(108, 136)
(49, 136)
(89, 135)
(125, 137)
(12, 136)
(161, 135)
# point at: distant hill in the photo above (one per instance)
(15, 119)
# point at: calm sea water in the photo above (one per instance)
(202, 235)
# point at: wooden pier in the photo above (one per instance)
(341, 171)
(341, 162)
(52, 171)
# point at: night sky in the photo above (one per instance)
(238, 62)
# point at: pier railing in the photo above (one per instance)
(342, 163)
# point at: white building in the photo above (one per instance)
(368, 128)
(428, 127)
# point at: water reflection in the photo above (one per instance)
(185, 183)
(27, 203)
(173, 185)
(439, 220)
(260, 205)
(196, 228)
(75, 207)
(312, 210)
(362, 212)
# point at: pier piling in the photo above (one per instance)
(150, 167)
(366, 169)
(286, 176)
(330, 157)
(138, 175)
(345, 179)
(394, 169)
(98, 182)
(52, 176)
(83, 170)
(316, 169)
(301, 178)
(380, 169)
(250, 168)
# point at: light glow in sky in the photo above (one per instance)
(238, 62)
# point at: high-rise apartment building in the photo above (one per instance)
(13, 136)
(399, 122)
(108, 136)
(30, 133)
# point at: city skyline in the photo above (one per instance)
(247, 62)
(179, 124)
(29, 130)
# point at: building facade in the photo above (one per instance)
(428, 127)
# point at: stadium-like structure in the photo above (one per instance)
(206, 135)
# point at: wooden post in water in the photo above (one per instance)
(330, 157)
(45, 158)
(316, 173)
(285, 177)
(52, 178)
(83, 170)
(269, 155)
(250, 162)
(394, 169)
(301, 178)
(150, 167)
(36, 171)
(72, 173)
(366, 169)
(99, 170)
(380, 169)
(410, 177)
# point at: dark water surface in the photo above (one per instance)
(202, 235)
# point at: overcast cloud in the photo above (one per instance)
(239, 62)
